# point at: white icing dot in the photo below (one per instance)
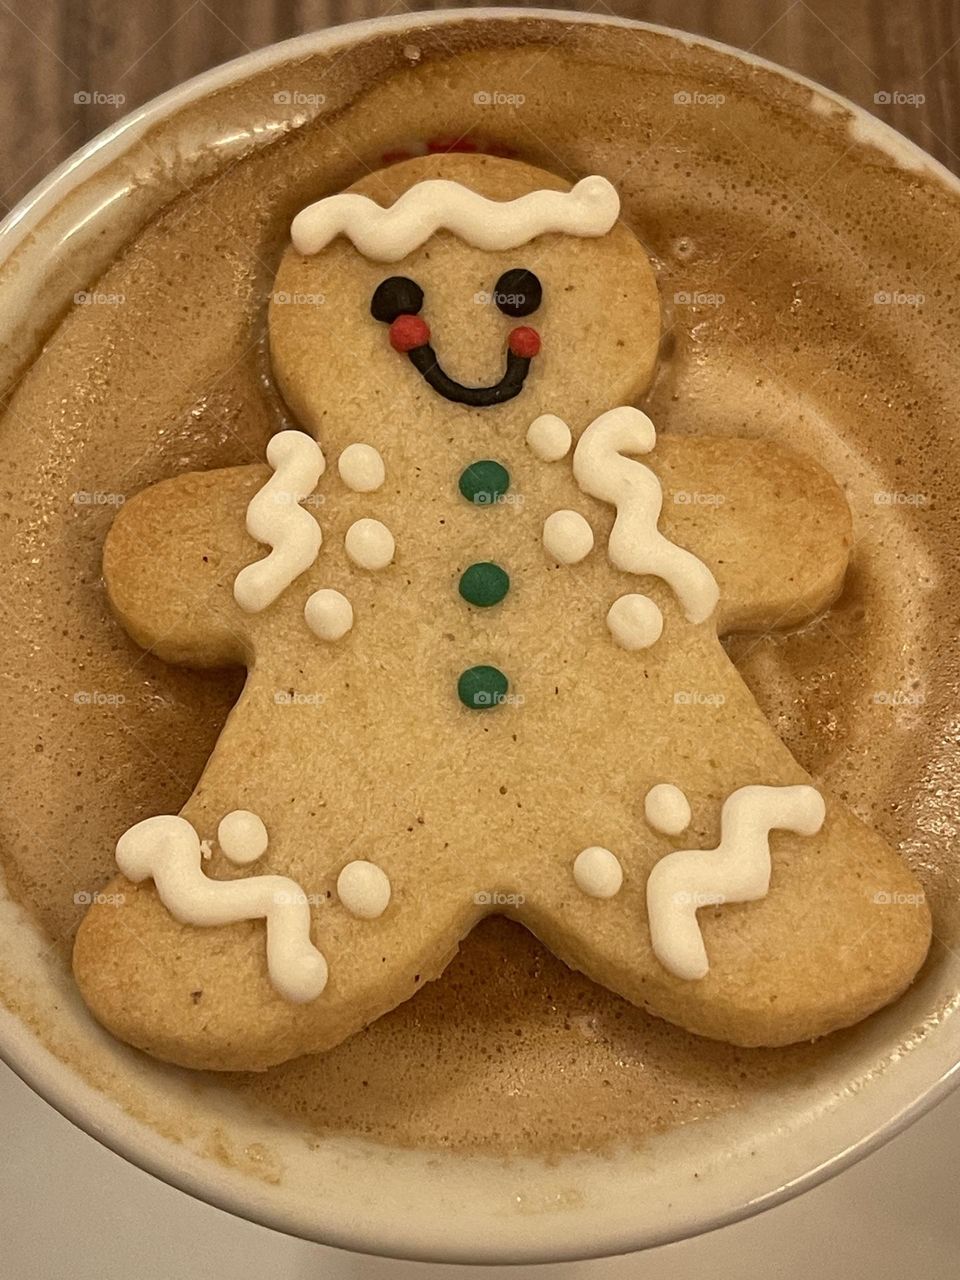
(242, 836)
(567, 536)
(369, 544)
(635, 622)
(549, 437)
(598, 872)
(361, 468)
(364, 889)
(329, 614)
(667, 809)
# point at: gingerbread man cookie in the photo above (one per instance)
(480, 607)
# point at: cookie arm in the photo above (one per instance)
(170, 560)
(771, 524)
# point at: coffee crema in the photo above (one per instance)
(809, 291)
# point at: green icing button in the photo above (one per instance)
(484, 584)
(484, 483)
(481, 687)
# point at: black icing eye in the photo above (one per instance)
(518, 292)
(396, 296)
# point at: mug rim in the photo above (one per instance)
(93, 1111)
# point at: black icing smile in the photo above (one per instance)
(397, 301)
(511, 384)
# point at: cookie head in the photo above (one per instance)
(461, 285)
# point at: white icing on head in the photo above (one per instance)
(242, 837)
(167, 849)
(364, 889)
(275, 517)
(387, 235)
(329, 614)
(667, 809)
(636, 545)
(567, 536)
(598, 872)
(361, 468)
(369, 544)
(738, 870)
(635, 622)
(549, 437)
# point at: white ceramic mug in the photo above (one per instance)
(345, 1192)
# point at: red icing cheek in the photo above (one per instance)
(524, 342)
(408, 332)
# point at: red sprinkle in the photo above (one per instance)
(407, 332)
(524, 341)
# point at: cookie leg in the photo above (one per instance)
(840, 933)
(205, 964)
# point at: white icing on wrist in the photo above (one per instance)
(567, 536)
(598, 872)
(167, 849)
(667, 809)
(364, 889)
(737, 870)
(275, 517)
(387, 235)
(329, 614)
(635, 622)
(361, 468)
(242, 837)
(602, 469)
(369, 544)
(549, 438)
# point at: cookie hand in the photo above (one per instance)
(170, 561)
(780, 537)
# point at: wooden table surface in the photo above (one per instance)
(60, 54)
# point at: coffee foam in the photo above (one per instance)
(771, 328)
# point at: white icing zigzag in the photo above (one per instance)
(275, 517)
(636, 545)
(387, 235)
(167, 849)
(738, 870)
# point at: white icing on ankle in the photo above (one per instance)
(635, 622)
(549, 438)
(737, 870)
(167, 849)
(567, 536)
(387, 235)
(636, 545)
(361, 468)
(667, 809)
(329, 614)
(242, 837)
(275, 517)
(369, 544)
(598, 872)
(364, 889)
